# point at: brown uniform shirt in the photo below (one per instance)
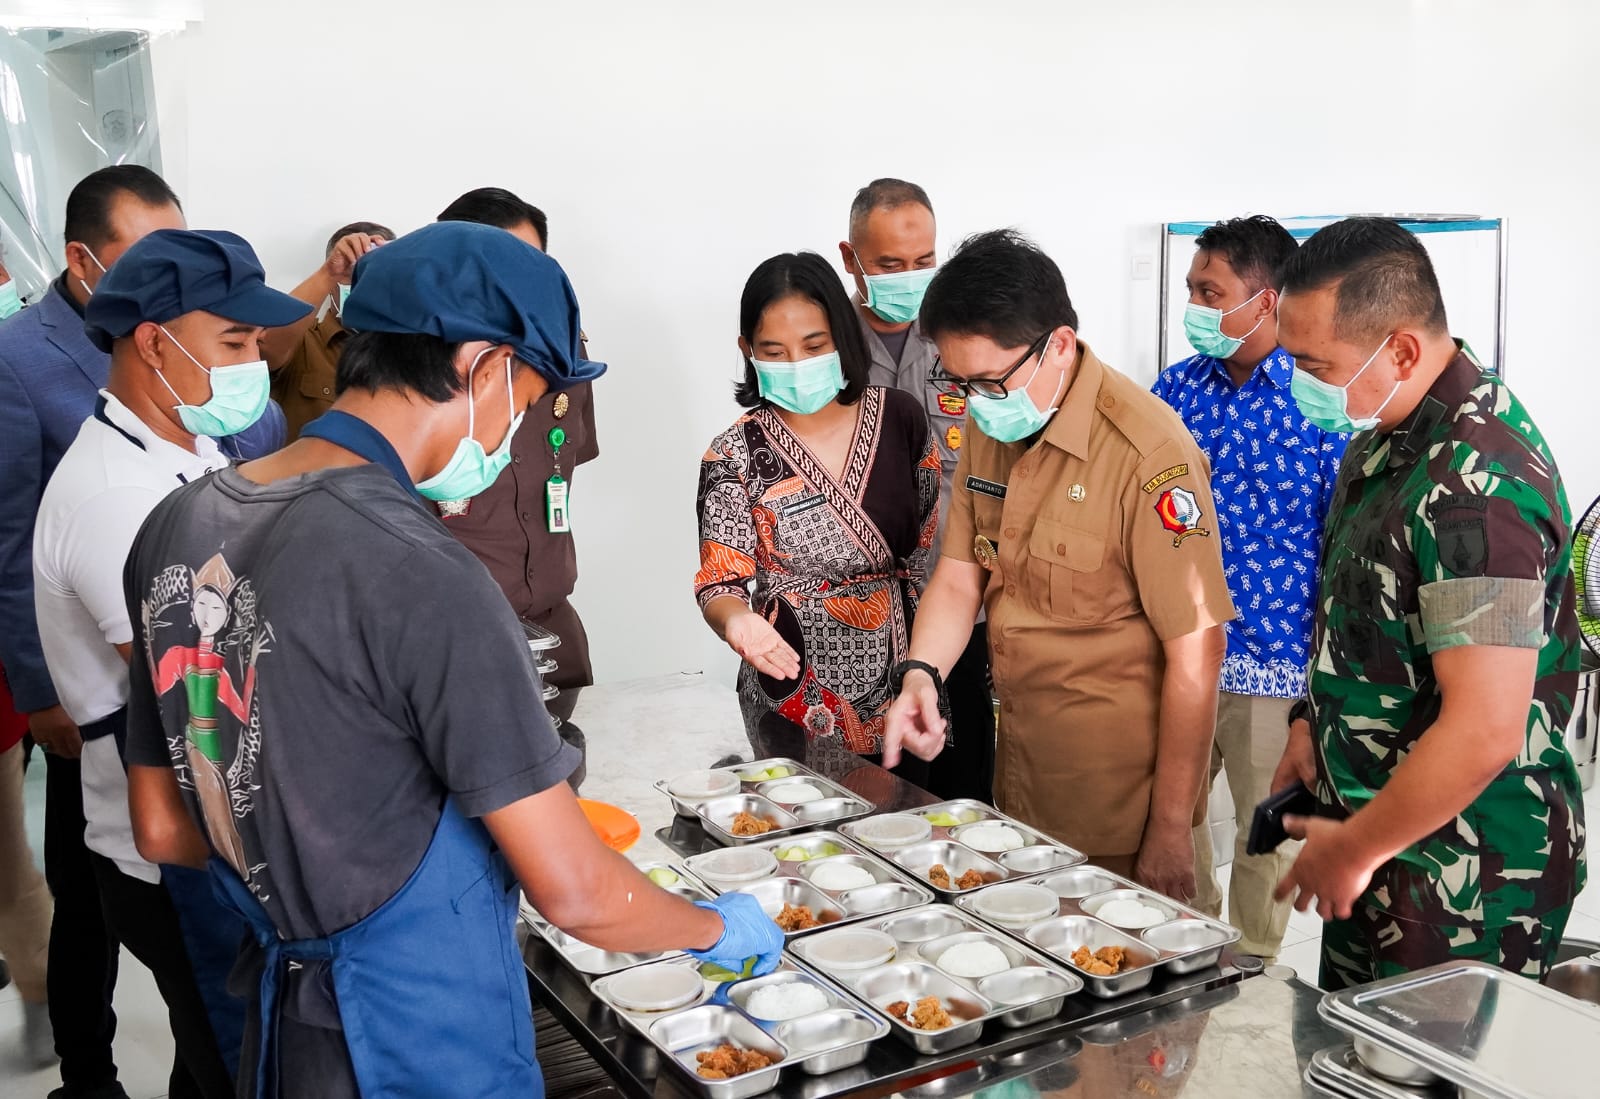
(1105, 546)
(507, 529)
(304, 384)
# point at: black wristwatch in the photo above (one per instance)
(1301, 709)
(897, 675)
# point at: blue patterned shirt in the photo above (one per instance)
(1272, 474)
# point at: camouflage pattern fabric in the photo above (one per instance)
(1451, 530)
(1374, 944)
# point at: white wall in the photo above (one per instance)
(674, 146)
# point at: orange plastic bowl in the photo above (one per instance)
(617, 828)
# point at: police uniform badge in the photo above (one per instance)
(952, 437)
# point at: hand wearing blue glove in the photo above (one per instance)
(747, 932)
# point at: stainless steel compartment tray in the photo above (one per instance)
(836, 1037)
(1031, 990)
(539, 638)
(1488, 1031)
(795, 881)
(1340, 1071)
(837, 804)
(1188, 942)
(1039, 855)
(591, 961)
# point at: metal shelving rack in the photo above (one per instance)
(1302, 227)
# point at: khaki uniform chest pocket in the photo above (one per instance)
(1067, 571)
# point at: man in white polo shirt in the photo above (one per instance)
(181, 313)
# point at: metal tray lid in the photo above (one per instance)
(1498, 1034)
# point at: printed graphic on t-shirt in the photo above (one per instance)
(205, 639)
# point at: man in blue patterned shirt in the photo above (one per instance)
(1272, 474)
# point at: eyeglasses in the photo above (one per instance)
(993, 388)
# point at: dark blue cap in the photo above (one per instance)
(171, 272)
(463, 282)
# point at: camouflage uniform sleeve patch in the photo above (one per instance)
(1482, 610)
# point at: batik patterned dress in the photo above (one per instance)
(835, 564)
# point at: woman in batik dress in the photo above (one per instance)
(817, 512)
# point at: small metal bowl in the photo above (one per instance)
(1579, 978)
(1392, 1066)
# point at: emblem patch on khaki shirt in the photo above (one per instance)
(1166, 475)
(1180, 513)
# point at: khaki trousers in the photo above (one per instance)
(1251, 734)
(25, 906)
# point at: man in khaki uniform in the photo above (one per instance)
(1080, 520)
(304, 357)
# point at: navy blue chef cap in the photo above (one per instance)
(462, 282)
(171, 272)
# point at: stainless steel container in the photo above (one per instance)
(1186, 942)
(1487, 1031)
(794, 879)
(1579, 978)
(1039, 854)
(1031, 989)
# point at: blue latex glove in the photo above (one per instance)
(747, 932)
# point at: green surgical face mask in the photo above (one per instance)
(10, 300)
(897, 297)
(801, 387)
(1328, 405)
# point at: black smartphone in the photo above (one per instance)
(1266, 827)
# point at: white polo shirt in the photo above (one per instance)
(112, 476)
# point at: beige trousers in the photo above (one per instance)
(1251, 734)
(25, 905)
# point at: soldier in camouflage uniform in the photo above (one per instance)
(1445, 651)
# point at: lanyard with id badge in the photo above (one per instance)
(557, 515)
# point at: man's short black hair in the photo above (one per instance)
(371, 228)
(998, 285)
(1384, 276)
(375, 361)
(1256, 247)
(884, 194)
(89, 204)
(806, 275)
(498, 207)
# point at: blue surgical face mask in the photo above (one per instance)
(470, 469)
(1328, 405)
(1203, 325)
(897, 297)
(1013, 417)
(10, 300)
(239, 395)
(800, 387)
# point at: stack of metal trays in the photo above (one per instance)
(1341, 1073)
(969, 840)
(823, 872)
(1491, 1033)
(1088, 909)
(897, 965)
(684, 1015)
(590, 961)
(783, 794)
